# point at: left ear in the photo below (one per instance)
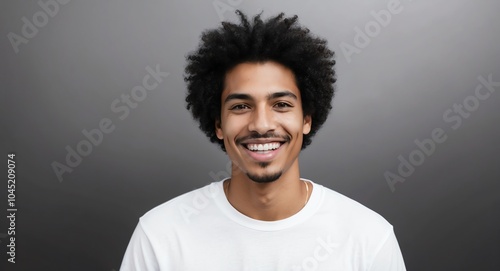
(306, 128)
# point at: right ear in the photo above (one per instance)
(218, 130)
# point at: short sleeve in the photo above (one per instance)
(388, 257)
(139, 254)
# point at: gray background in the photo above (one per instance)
(396, 90)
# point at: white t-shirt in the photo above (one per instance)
(201, 230)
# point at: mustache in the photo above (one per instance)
(256, 135)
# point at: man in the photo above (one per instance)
(261, 90)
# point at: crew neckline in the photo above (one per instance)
(306, 212)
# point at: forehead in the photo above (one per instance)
(259, 79)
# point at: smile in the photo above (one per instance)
(263, 147)
(263, 152)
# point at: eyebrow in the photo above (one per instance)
(280, 94)
(242, 96)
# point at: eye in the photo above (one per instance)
(282, 105)
(239, 107)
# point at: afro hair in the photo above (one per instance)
(279, 39)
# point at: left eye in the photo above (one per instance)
(282, 105)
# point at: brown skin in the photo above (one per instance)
(270, 103)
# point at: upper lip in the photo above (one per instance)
(263, 141)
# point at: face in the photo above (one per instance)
(262, 122)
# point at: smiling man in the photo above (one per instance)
(262, 126)
(261, 90)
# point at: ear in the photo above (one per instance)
(306, 128)
(218, 130)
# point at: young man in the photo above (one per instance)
(261, 90)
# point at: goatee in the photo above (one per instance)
(265, 178)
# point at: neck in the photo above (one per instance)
(268, 201)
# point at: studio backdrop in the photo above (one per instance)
(95, 131)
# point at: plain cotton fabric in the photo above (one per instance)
(202, 231)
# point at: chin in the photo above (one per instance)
(266, 178)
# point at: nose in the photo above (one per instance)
(262, 120)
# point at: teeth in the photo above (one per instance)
(263, 147)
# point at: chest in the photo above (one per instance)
(226, 249)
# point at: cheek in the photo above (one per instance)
(292, 123)
(233, 126)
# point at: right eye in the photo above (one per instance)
(239, 107)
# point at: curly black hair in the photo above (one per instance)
(277, 39)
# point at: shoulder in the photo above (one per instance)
(180, 209)
(352, 215)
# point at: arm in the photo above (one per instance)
(388, 257)
(139, 255)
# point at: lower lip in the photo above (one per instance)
(263, 156)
